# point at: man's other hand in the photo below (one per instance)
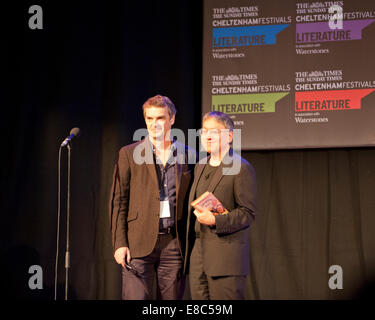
(121, 254)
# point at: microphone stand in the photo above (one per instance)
(67, 253)
(66, 143)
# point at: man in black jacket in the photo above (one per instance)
(219, 261)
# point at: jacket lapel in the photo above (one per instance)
(179, 165)
(227, 162)
(147, 153)
(216, 178)
(199, 169)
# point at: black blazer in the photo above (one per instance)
(225, 247)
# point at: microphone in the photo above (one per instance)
(73, 133)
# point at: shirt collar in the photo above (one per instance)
(172, 155)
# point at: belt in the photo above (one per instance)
(166, 231)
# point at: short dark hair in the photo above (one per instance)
(160, 101)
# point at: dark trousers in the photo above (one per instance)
(165, 262)
(204, 287)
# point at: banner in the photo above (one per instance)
(292, 74)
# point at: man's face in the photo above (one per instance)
(215, 137)
(158, 122)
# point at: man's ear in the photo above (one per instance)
(172, 119)
(230, 136)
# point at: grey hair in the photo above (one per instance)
(221, 117)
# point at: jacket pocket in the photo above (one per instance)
(235, 237)
(132, 216)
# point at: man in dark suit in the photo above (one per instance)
(150, 181)
(219, 244)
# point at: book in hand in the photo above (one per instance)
(209, 201)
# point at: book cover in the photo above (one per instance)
(209, 201)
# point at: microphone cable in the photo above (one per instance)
(58, 217)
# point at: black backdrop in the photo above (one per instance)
(92, 66)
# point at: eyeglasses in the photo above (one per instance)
(213, 132)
